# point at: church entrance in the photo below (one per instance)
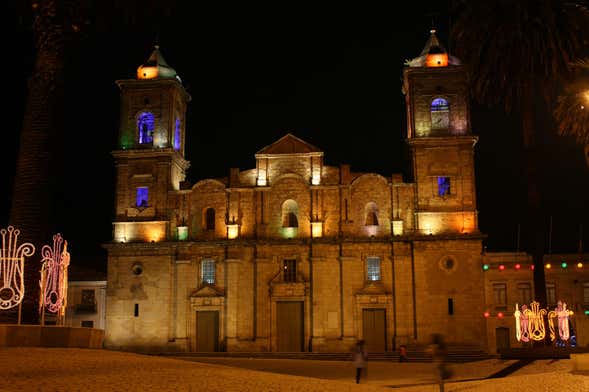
(374, 329)
(289, 326)
(207, 331)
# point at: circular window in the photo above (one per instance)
(137, 269)
(447, 264)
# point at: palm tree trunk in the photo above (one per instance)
(31, 200)
(536, 222)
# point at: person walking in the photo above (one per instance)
(438, 352)
(360, 358)
(402, 353)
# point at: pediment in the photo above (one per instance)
(208, 291)
(289, 144)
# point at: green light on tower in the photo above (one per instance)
(564, 264)
(485, 267)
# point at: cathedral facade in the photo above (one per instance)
(295, 255)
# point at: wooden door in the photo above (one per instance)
(207, 331)
(289, 326)
(374, 329)
(502, 338)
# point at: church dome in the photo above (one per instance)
(156, 67)
(433, 55)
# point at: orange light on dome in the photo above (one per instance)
(436, 60)
(579, 265)
(147, 72)
(548, 266)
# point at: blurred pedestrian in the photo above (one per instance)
(439, 352)
(360, 358)
(403, 353)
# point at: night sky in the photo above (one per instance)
(329, 76)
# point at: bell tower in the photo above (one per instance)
(150, 155)
(442, 145)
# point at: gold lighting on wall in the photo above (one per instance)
(397, 227)
(232, 231)
(317, 229)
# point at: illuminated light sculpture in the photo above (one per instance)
(12, 260)
(54, 279)
(518, 327)
(536, 326)
(521, 324)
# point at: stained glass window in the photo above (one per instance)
(146, 126)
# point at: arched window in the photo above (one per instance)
(177, 135)
(371, 214)
(145, 127)
(440, 114)
(290, 211)
(210, 219)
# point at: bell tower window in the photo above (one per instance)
(443, 186)
(142, 196)
(145, 127)
(177, 135)
(440, 114)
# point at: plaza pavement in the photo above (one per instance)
(60, 369)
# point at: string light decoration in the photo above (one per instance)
(12, 259)
(54, 278)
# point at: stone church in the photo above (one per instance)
(294, 255)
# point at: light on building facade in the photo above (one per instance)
(517, 266)
(317, 229)
(232, 231)
(548, 266)
(397, 227)
(501, 267)
(485, 267)
(182, 233)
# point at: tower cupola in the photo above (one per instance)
(156, 67)
(433, 54)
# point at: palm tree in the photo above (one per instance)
(518, 53)
(572, 106)
(55, 25)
